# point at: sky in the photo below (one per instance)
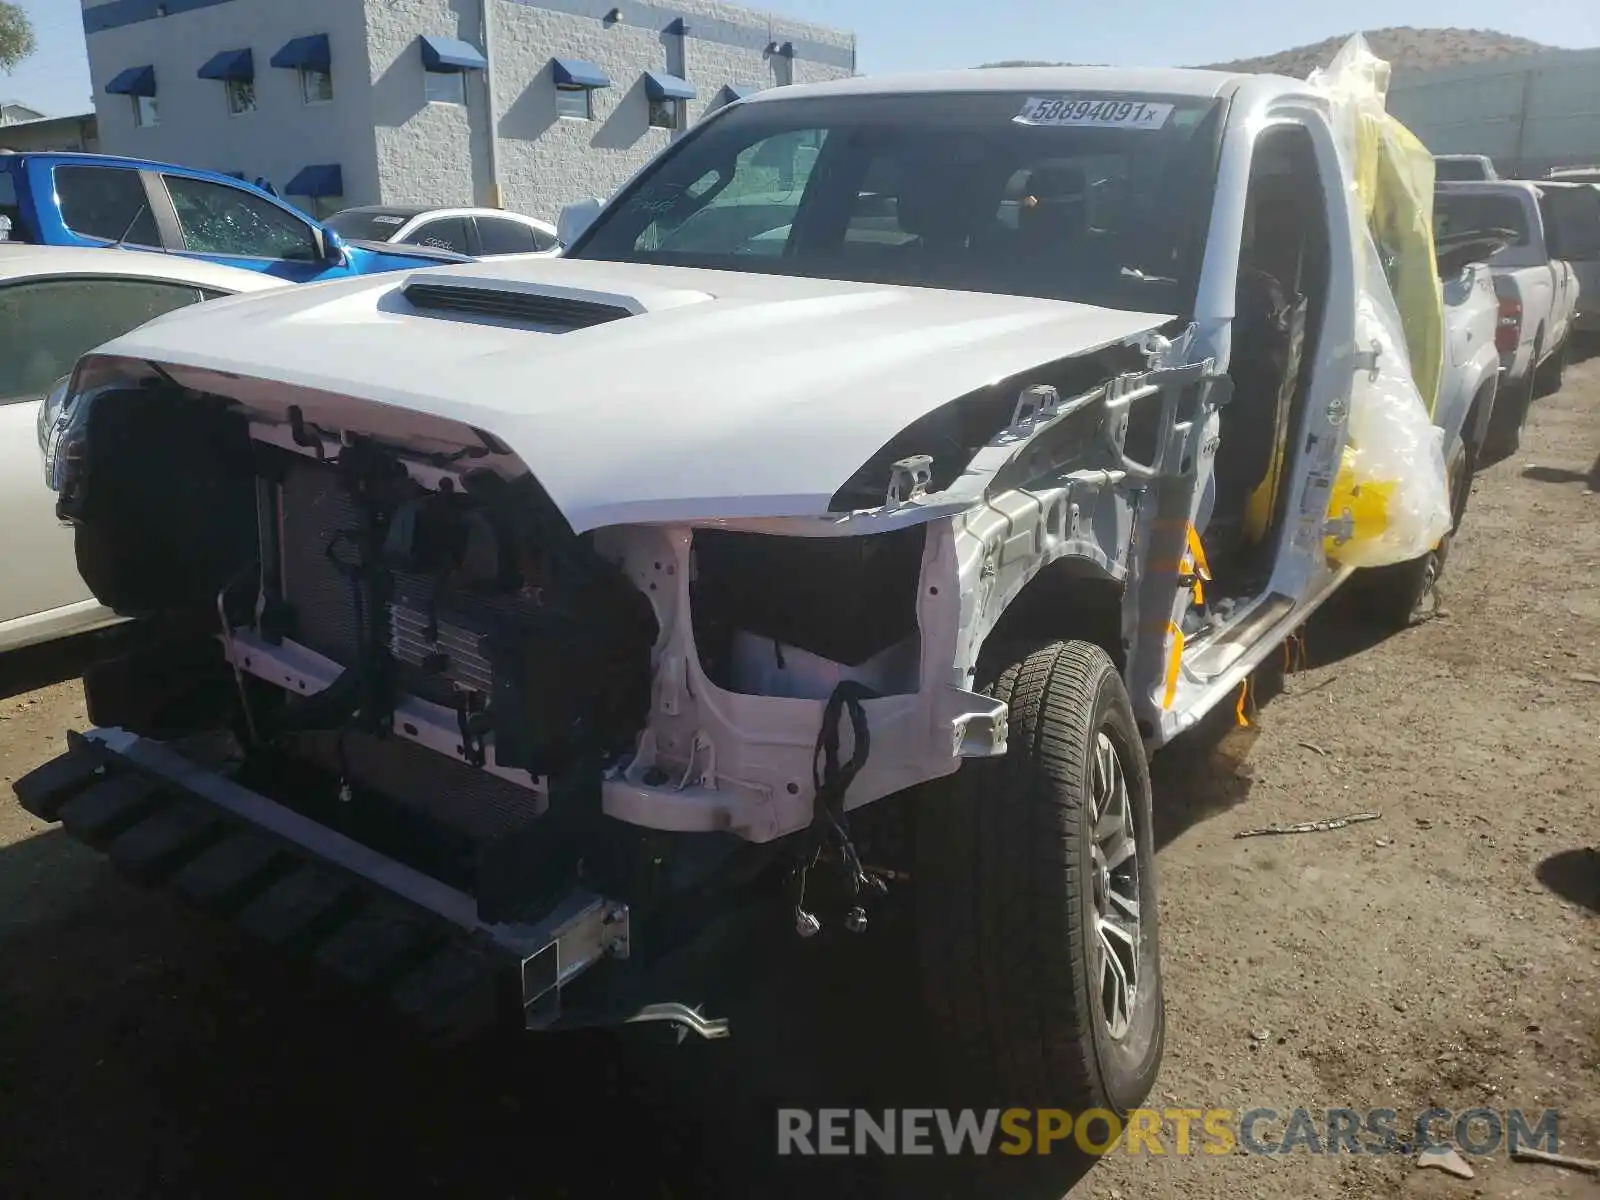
(909, 35)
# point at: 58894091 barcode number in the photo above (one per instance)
(1113, 114)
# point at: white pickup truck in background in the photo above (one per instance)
(1538, 295)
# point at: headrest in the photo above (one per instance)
(939, 202)
(1056, 183)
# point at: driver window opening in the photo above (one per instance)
(1282, 293)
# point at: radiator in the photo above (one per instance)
(315, 511)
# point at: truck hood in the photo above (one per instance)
(720, 395)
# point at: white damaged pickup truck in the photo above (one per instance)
(933, 448)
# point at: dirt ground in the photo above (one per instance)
(1445, 954)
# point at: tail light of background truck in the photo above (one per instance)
(1508, 331)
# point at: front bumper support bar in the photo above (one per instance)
(166, 818)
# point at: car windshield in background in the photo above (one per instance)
(1476, 212)
(1095, 198)
(366, 225)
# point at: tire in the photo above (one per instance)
(1550, 376)
(1507, 418)
(1010, 886)
(1391, 598)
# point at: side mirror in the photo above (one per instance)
(330, 246)
(575, 218)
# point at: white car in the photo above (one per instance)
(56, 302)
(475, 232)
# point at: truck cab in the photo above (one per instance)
(55, 199)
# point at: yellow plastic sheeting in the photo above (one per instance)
(1367, 504)
(1390, 493)
(1394, 179)
(1401, 219)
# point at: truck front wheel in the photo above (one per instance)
(1036, 898)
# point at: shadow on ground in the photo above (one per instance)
(148, 1052)
(34, 667)
(1590, 478)
(1574, 875)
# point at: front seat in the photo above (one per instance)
(940, 205)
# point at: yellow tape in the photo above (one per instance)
(1174, 658)
(1247, 694)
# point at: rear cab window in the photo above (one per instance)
(1571, 222)
(106, 202)
(1478, 212)
(217, 219)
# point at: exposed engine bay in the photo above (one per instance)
(413, 646)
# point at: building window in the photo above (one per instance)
(144, 111)
(316, 87)
(666, 113)
(575, 103)
(445, 87)
(323, 207)
(241, 96)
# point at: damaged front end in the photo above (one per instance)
(600, 744)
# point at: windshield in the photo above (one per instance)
(1102, 199)
(360, 225)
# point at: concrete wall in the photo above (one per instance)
(426, 152)
(195, 127)
(1527, 114)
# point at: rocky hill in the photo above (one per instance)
(1403, 46)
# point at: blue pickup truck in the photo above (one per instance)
(96, 200)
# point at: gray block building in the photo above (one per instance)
(344, 102)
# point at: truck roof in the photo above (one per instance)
(1165, 81)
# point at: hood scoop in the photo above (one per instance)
(501, 292)
(532, 308)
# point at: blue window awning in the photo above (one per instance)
(448, 54)
(230, 64)
(667, 87)
(578, 72)
(325, 179)
(305, 54)
(135, 81)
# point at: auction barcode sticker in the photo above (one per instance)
(1108, 114)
